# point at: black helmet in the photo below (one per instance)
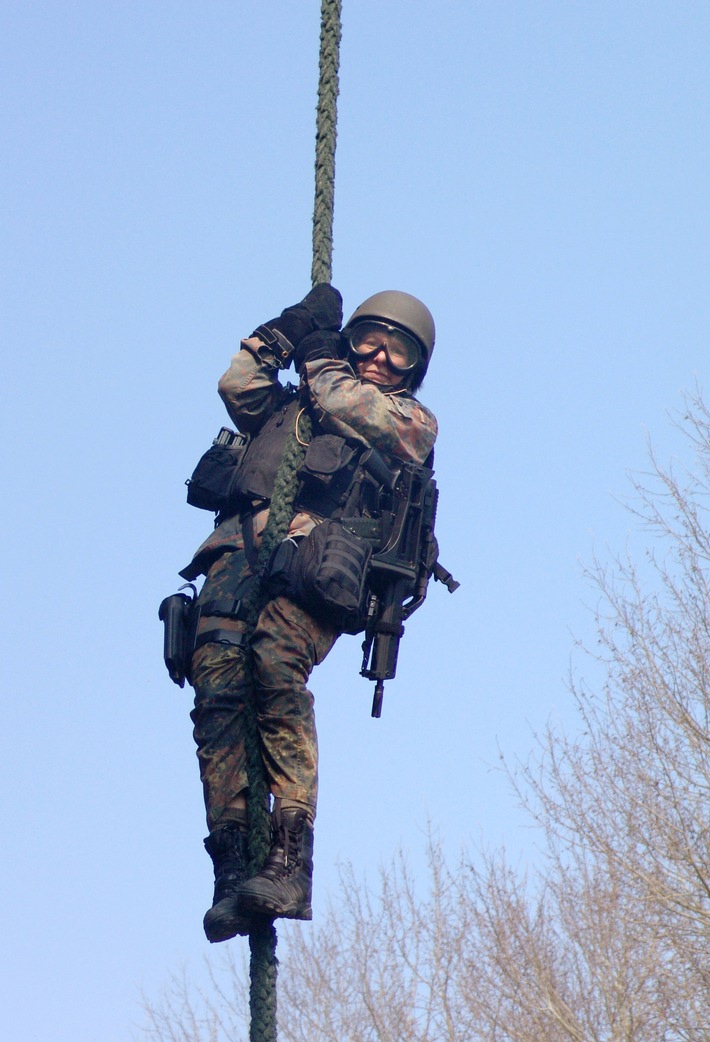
(401, 310)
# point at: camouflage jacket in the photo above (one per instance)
(395, 424)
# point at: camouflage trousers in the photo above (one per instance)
(287, 642)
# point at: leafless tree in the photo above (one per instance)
(217, 1012)
(633, 794)
(606, 939)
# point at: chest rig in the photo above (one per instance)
(237, 473)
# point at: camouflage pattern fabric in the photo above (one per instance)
(287, 642)
(393, 423)
(397, 425)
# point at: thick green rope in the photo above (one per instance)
(326, 118)
(262, 939)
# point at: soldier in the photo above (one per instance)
(357, 386)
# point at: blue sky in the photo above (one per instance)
(537, 173)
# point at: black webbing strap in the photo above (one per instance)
(224, 608)
(279, 347)
(218, 636)
(247, 523)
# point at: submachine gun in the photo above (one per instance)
(401, 567)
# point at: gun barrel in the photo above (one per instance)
(377, 699)
(382, 639)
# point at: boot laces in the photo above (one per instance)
(289, 862)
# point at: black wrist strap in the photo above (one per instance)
(277, 346)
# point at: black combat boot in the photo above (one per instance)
(227, 846)
(283, 887)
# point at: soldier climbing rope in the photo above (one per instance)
(333, 484)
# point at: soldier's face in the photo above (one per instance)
(376, 370)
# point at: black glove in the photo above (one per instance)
(322, 308)
(321, 344)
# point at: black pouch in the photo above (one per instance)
(279, 570)
(325, 456)
(211, 486)
(328, 576)
(326, 474)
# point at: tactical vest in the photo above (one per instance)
(262, 456)
(325, 476)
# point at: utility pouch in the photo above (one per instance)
(279, 570)
(326, 474)
(179, 614)
(325, 456)
(329, 576)
(213, 481)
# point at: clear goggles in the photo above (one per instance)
(402, 350)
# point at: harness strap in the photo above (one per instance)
(247, 523)
(226, 608)
(218, 636)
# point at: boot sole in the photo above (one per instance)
(258, 906)
(223, 927)
(214, 936)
